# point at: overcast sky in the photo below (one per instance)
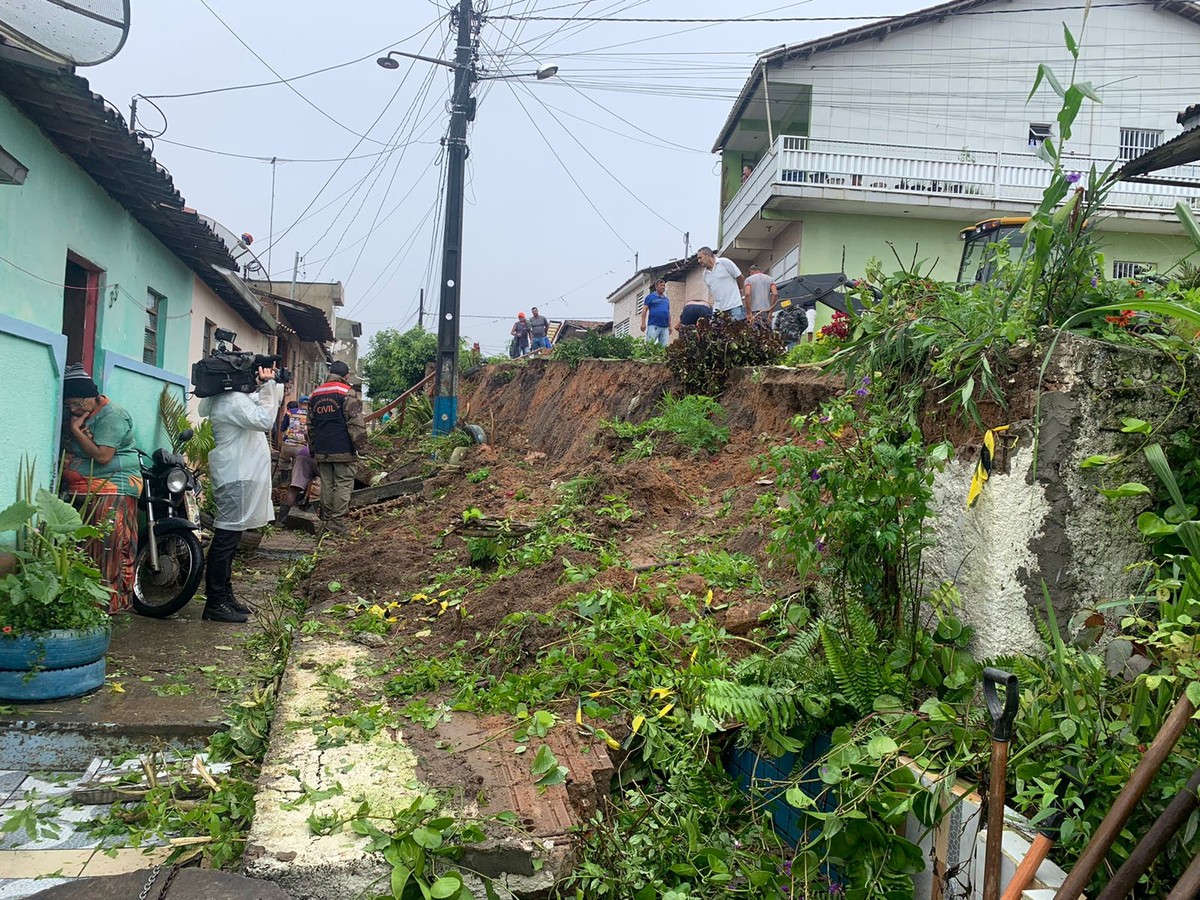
(646, 100)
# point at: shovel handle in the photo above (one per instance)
(1003, 712)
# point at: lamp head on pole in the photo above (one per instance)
(387, 62)
(549, 70)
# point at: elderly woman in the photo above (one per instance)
(101, 472)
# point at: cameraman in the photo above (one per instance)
(240, 476)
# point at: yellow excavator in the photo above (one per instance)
(978, 264)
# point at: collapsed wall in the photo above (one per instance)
(1031, 524)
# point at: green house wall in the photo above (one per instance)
(59, 209)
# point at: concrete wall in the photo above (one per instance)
(59, 209)
(1052, 524)
(964, 81)
(31, 364)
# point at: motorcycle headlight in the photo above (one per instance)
(176, 481)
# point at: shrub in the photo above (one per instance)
(606, 346)
(703, 356)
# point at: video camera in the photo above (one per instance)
(231, 370)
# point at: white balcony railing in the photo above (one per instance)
(851, 170)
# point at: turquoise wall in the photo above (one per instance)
(31, 364)
(59, 209)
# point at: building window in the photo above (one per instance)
(641, 302)
(787, 266)
(209, 326)
(621, 329)
(1039, 132)
(1126, 269)
(156, 308)
(1136, 141)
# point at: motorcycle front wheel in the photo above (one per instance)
(180, 565)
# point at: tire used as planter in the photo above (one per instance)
(57, 649)
(52, 684)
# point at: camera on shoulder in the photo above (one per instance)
(226, 370)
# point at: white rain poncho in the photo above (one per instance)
(239, 466)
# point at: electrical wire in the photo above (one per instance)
(282, 159)
(284, 81)
(571, 176)
(260, 84)
(784, 19)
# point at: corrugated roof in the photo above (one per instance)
(878, 31)
(95, 136)
(308, 322)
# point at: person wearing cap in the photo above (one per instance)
(520, 333)
(337, 435)
(239, 474)
(102, 472)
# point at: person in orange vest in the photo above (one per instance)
(337, 435)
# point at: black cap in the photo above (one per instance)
(337, 367)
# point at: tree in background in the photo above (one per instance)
(397, 360)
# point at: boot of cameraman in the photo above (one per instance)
(240, 479)
(337, 436)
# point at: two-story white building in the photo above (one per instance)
(901, 133)
(685, 281)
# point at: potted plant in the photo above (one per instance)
(54, 621)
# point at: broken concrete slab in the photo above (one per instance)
(471, 763)
(188, 884)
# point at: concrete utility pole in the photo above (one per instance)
(421, 310)
(462, 111)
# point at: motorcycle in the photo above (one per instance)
(170, 559)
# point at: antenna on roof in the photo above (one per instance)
(75, 32)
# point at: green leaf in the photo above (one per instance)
(57, 515)
(400, 876)
(1177, 515)
(1153, 527)
(1067, 728)
(543, 761)
(1190, 225)
(1128, 489)
(447, 886)
(1162, 468)
(1086, 88)
(1072, 46)
(1135, 426)
(1044, 71)
(16, 516)
(797, 798)
(1193, 693)
(427, 838)
(880, 746)
(1100, 459)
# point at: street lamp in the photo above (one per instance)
(462, 111)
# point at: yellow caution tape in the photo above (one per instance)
(983, 468)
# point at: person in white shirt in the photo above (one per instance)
(725, 283)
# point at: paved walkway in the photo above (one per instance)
(168, 683)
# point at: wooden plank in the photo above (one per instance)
(381, 492)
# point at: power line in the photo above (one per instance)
(784, 19)
(286, 82)
(260, 84)
(281, 159)
(571, 176)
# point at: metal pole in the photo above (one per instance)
(421, 311)
(445, 398)
(295, 272)
(271, 236)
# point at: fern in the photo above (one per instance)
(768, 711)
(855, 658)
(172, 412)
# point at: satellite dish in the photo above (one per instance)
(77, 32)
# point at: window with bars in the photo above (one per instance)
(621, 329)
(641, 302)
(1128, 269)
(1039, 133)
(1136, 141)
(155, 313)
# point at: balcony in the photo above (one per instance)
(928, 182)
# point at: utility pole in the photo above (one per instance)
(295, 272)
(687, 244)
(445, 400)
(421, 309)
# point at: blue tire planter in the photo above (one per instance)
(51, 684)
(58, 649)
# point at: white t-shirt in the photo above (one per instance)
(722, 284)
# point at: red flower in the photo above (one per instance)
(7, 629)
(1124, 320)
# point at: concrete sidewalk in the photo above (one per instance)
(168, 683)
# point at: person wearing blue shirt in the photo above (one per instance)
(656, 315)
